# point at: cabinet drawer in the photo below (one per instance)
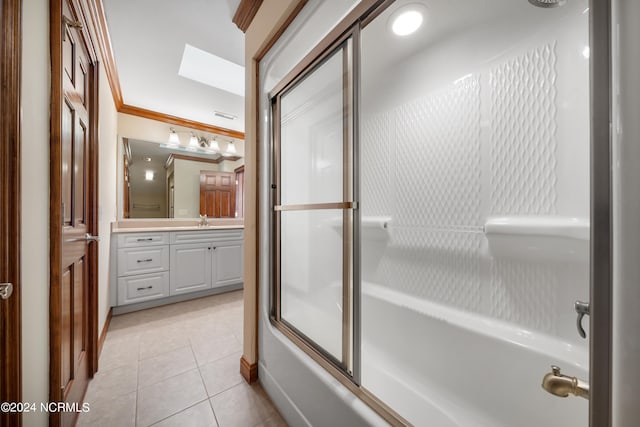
(142, 260)
(143, 287)
(130, 240)
(206, 235)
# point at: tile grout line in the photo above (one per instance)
(204, 384)
(135, 420)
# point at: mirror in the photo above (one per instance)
(180, 181)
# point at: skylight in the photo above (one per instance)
(209, 69)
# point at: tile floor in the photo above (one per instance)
(177, 365)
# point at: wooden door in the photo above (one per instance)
(73, 192)
(10, 308)
(217, 194)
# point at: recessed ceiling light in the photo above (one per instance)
(148, 175)
(147, 159)
(407, 20)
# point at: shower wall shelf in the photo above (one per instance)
(550, 226)
(559, 238)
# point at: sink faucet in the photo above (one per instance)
(562, 385)
(203, 221)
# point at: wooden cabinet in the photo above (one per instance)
(167, 265)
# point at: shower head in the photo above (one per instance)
(548, 3)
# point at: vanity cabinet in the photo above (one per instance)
(167, 266)
(190, 267)
(211, 259)
(143, 267)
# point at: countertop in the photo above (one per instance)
(142, 226)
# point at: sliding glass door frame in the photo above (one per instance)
(348, 365)
(346, 36)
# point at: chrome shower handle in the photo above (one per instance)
(582, 308)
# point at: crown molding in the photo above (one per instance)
(99, 27)
(192, 124)
(245, 12)
(100, 31)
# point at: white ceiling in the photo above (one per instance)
(148, 39)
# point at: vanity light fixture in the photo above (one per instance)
(173, 137)
(193, 141)
(231, 149)
(407, 20)
(213, 145)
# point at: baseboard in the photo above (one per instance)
(105, 328)
(249, 371)
(123, 309)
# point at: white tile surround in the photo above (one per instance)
(177, 365)
(486, 145)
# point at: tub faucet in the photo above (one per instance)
(562, 385)
(203, 221)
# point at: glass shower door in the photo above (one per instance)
(312, 207)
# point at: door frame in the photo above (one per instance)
(601, 247)
(55, 190)
(10, 218)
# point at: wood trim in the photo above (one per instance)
(245, 13)
(167, 118)
(93, 225)
(105, 328)
(55, 197)
(219, 160)
(267, 46)
(249, 371)
(10, 206)
(100, 31)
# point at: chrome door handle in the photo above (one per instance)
(6, 289)
(89, 238)
(582, 308)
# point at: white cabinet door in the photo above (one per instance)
(190, 267)
(227, 264)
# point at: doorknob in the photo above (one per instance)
(582, 308)
(6, 289)
(89, 238)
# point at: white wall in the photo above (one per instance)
(108, 147)
(35, 207)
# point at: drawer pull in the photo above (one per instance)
(144, 289)
(149, 239)
(145, 260)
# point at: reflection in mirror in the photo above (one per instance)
(174, 181)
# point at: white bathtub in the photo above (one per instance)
(442, 367)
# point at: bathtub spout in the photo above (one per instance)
(562, 385)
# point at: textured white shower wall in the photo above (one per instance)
(488, 120)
